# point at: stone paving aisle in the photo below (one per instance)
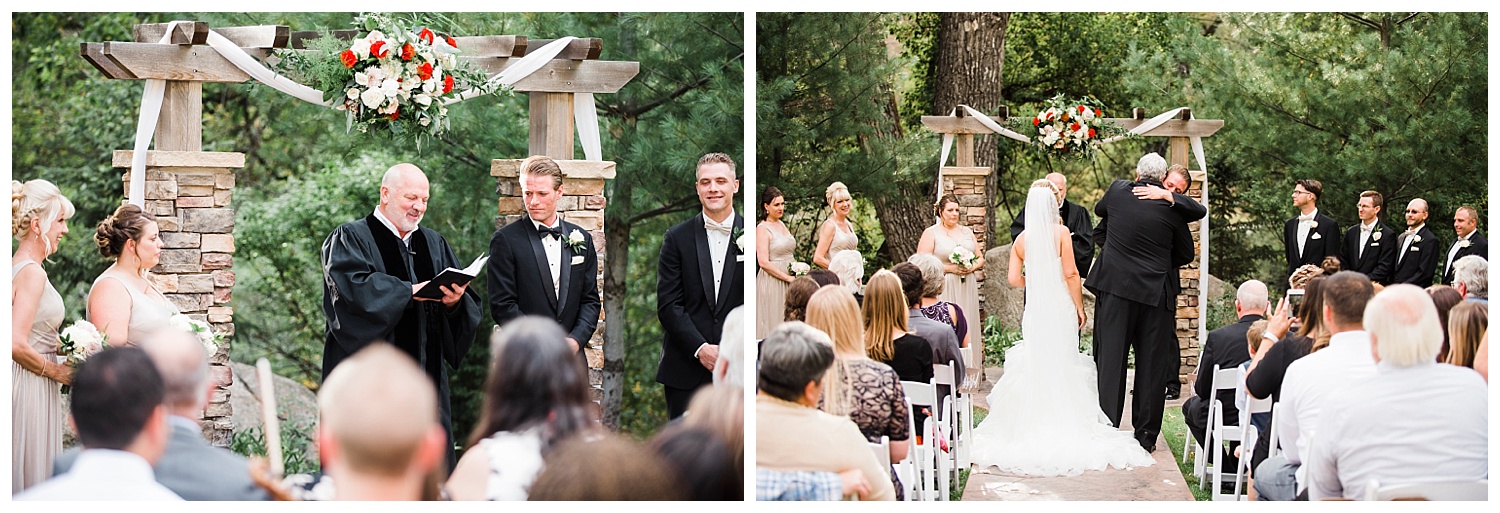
(1159, 482)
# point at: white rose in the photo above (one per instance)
(1416, 238)
(352, 93)
(424, 100)
(575, 238)
(1463, 243)
(430, 86)
(372, 98)
(1088, 114)
(1375, 235)
(361, 48)
(374, 36)
(1313, 225)
(390, 88)
(743, 241)
(424, 121)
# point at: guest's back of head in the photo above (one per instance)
(730, 367)
(535, 380)
(380, 420)
(183, 363)
(117, 394)
(1344, 295)
(932, 273)
(911, 282)
(793, 355)
(797, 295)
(720, 409)
(824, 277)
(883, 312)
(605, 467)
(1473, 272)
(1403, 326)
(1467, 323)
(833, 311)
(702, 462)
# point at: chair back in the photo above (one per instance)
(882, 452)
(1226, 379)
(1478, 490)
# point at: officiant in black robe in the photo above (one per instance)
(372, 268)
(1075, 217)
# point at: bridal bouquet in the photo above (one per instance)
(78, 342)
(1071, 128)
(200, 329)
(396, 77)
(962, 257)
(798, 268)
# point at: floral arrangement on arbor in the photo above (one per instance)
(398, 77)
(1071, 128)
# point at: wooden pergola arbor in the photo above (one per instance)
(189, 190)
(965, 178)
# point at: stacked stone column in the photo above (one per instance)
(1188, 300)
(967, 184)
(189, 193)
(582, 203)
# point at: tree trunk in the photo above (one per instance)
(970, 57)
(617, 264)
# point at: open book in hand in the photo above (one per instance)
(450, 276)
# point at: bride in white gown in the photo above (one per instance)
(1044, 412)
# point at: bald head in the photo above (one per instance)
(183, 363)
(1061, 182)
(1403, 325)
(378, 408)
(400, 174)
(1251, 298)
(1416, 213)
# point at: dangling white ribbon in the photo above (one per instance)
(985, 120)
(145, 129)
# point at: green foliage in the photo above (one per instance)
(1221, 310)
(998, 339)
(296, 444)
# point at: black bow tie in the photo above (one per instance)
(544, 231)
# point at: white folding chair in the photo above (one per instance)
(1275, 442)
(1440, 491)
(1252, 435)
(973, 367)
(1218, 437)
(932, 462)
(956, 416)
(882, 452)
(906, 469)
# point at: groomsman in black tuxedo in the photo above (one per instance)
(700, 278)
(1135, 281)
(1075, 217)
(1369, 246)
(1470, 242)
(1416, 255)
(542, 265)
(1311, 236)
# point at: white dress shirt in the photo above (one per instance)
(102, 475)
(1304, 225)
(1310, 384)
(1453, 251)
(718, 247)
(552, 246)
(1424, 423)
(1406, 244)
(1364, 236)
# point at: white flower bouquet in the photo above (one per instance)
(798, 268)
(200, 329)
(78, 342)
(962, 257)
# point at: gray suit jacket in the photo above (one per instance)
(944, 346)
(195, 470)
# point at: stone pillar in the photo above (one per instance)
(189, 193)
(967, 184)
(1188, 301)
(582, 203)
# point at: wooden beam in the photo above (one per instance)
(205, 159)
(580, 49)
(957, 125)
(93, 53)
(1175, 127)
(259, 36)
(551, 125)
(180, 127)
(491, 46)
(963, 152)
(965, 171)
(589, 169)
(187, 33)
(580, 76)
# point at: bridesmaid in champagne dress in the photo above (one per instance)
(123, 304)
(774, 250)
(836, 234)
(960, 287)
(39, 219)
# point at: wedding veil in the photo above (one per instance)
(1043, 266)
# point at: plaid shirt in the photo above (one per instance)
(771, 485)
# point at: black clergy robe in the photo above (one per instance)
(367, 278)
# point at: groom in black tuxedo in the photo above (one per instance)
(1136, 283)
(700, 278)
(542, 265)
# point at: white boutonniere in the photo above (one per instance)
(742, 240)
(1313, 224)
(576, 241)
(1416, 238)
(1463, 243)
(1375, 235)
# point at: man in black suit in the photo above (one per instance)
(1175, 193)
(542, 265)
(1369, 247)
(1416, 255)
(1469, 242)
(699, 280)
(1075, 217)
(1311, 236)
(1226, 348)
(1136, 283)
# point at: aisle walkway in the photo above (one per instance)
(1159, 482)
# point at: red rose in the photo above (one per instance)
(1080, 109)
(447, 83)
(1091, 133)
(395, 114)
(1036, 121)
(424, 71)
(451, 42)
(1073, 127)
(1099, 112)
(348, 58)
(425, 35)
(407, 52)
(379, 50)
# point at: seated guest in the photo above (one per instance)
(1261, 420)
(824, 277)
(601, 466)
(791, 433)
(1466, 324)
(720, 410)
(1268, 365)
(940, 336)
(118, 413)
(379, 435)
(1471, 276)
(932, 287)
(191, 468)
(886, 337)
(849, 265)
(1413, 421)
(797, 295)
(537, 395)
(1313, 381)
(771, 485)
(1444, 298)
(866, 391)
(1225, 348)
(1482, 356)
(702, 462)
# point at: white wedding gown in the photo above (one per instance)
(1044, 415)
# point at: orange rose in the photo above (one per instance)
(407, 52)
(425, 35)
(379, 50)
(348, 58)
(447, 83)
(424, 71)
(395, 114)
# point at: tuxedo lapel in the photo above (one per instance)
(705, 259)
(539, 255)
(726, 280)
(565, 273)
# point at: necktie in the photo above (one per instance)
(714, 226)
(544, 231)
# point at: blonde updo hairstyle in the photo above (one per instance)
(36, 200)
(836, 192)
(126, 224)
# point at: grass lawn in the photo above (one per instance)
(1173, 428)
